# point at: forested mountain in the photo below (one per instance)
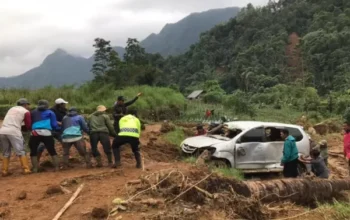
(61, 68)
(176, 38)
(305, 40)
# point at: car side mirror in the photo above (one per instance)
(238, 141)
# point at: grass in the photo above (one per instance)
(176, 137)
(87, 97)
(190, 160)
(337, 210)
(230, 172)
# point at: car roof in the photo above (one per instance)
(244, 125)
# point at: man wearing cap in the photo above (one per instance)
(60, 111)
(120, 108)
(43, 123)
(130, 131)
(100, 129)
(73, 125)
(11, 135)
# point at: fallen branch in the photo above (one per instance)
(131, 198)
(296, 216)
(208, 194)
(178, 196)
(69, 203)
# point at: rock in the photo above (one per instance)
(4, 213)
(311, 131)
(22, 195)
(167, 127)
(119, 217)
(54, 189)
(119, 201)
(69, 182)
(321, 128)
(3, 204)
(99, 213)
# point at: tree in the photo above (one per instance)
(134, 53)
(102, 58)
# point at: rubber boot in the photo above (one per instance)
(138, 160)
(55, 163)
(65, 162)
(109, 158)
(88, 160)
(5, 166)
(24, 163)
(39, 156)
(116, 154)
(99, 161)
(35, 162)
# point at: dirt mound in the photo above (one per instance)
(328, 126)
(167, 127)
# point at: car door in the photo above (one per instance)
(273, 147)
(249, 150)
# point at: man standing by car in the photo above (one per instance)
(290, 155)
(120, 108)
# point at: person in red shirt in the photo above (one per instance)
(347, 143)
(200, 130)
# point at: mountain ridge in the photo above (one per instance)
(62, 68)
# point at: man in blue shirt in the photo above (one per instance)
(290, 155)
(43, 123)
(72, 127)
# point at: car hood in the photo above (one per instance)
(202, 141)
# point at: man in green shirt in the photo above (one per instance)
(101, 128)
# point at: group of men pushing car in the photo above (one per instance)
(67, 127)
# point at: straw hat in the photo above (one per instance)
(101, 108)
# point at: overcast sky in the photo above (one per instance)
(32, 29)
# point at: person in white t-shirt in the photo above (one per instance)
(11, 134)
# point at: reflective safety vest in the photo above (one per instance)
(130, 126)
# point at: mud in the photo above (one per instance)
(103, 185)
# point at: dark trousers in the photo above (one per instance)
(79, 145)
(48, 141)
(290, 169)
(106, 144)
(121, 140)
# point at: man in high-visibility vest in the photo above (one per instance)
(130, 130)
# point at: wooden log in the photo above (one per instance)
(69, 203)
(296, 190)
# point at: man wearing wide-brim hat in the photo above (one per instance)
(100, 129)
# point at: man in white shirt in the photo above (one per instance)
(11, 134)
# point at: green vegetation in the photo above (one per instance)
(191, 160)
(337, 210)
(175, 137)
(156, 103)
(230, 172)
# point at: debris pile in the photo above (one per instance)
(192, 194)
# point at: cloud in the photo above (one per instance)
(31, 30)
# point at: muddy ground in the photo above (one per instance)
(103, 185)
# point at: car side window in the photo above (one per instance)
(254, 135)
(272, 134)
(295, 132)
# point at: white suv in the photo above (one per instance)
(257, 147)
